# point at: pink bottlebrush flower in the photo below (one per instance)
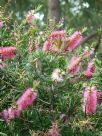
(46, 46)
(14, 112)
(88, 74)
(1, 24)
(74, 65)
(54, 131)
(27, 98)
(7, 52)
(22, 103)
(55, 42)
(57, 34)
(57, 38)
(90, 100)
(4, 114)
(30, 17)
(74, 40)
(10, 113)
(90, 70)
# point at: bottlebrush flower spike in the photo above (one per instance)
(4, 114)
(90, 100)
(54, 131)
(30, 17)
(22, 103)
(74, 65)
(14, 112)
(90, 70)
(10, 113)
(55, 42)
(7, 52)
(1, 24)
(27, 98)
(74, 40)
(57, 34)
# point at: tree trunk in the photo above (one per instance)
(54, 10)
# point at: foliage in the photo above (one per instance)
(54, 99)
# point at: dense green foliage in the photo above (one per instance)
(54, 99)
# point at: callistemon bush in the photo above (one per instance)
(53, 61)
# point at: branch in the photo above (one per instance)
(91, 36)
(98, 43)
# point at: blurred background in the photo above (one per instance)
(75, 13)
